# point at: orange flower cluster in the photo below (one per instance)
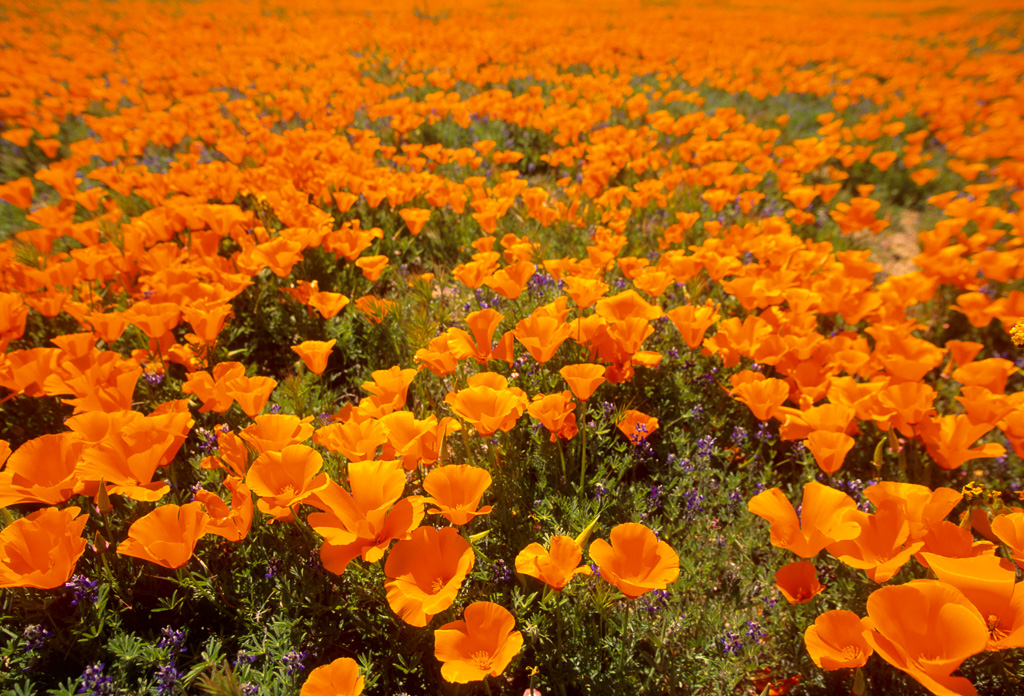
(926, 628)
(155, 201)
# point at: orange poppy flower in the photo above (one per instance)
(154, 318)
(207, 317)
(315, 354)
(357, 438)
(836, 641)
(693, 322)
(482, 324)
(882, 546)
(456, 490)
(510, 282)
(542, 335)
(626, 305)
(926, 628)
(556, 567)
(1009, 529)
(390, 388)
(250, 393)
(41, 549)
(284, 479)
(211, 389)
(438, 356)
(763, 396)
(554, 411)
(42, 470)
(374, 308)
(339, 678)
(637, 426)
(417, 441)
(272, 432)
(798, 582)
(950, 439)
(822, 518)
(585, 291)
(922, 507)
(635, 561)
(488, 403)
(231, 523)
(125, 448)
(829, 449)
(167, 536)
(366, 520)
(372, 266)
(425, 573)
(329, 304)
(415, 219)
(482, 643)
(583, 379)
(990, 583)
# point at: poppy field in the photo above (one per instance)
(461, 348)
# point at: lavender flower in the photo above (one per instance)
(167, 678)
(730, 643)
(500, 572)
(85, 590)
(94, 682)
(293, 661)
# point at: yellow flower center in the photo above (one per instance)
(288, 491)
(994, 631)
(437, 585)
(852, 652)
(482, 660)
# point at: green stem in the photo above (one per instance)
(583, 446)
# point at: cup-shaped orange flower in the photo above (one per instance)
(635, 561)
(583, 379)
(829, 449)
(1009, 529)
(556, 567)
(637, 426)
(315, 354)
(798, 582)
(284, 479)
(488, 405)
(42, 471)
(417, 441)
(482, 644)
(990, 584)
(585, 291)
(542, 335)
(41, 549)
(822, 518)
(555, 412)
(836, 641)
(425, 573)
(339, 678)
(882, 546)
(167, 536)
(927, 629)
(272, 432)
(207, 317)
(372, 266)
(232, 523)
(366, 520)
(923, 506)
(390, 388)
(693, 322)
(251, 393)
(456, 490)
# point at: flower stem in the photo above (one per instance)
(583, 446)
